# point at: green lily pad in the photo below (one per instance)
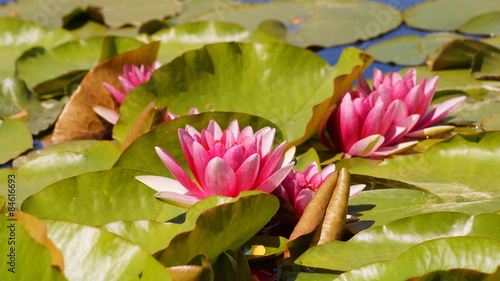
(31, 260)
(485, 24)
(84, 197)
(464, 53)
(15, 136)
(389, 241)
(166, 137)
(470, 187)
(429, 14)
(410, 49)
(493, 41)
(472, 253)
(19, 101)
(476, 112)
(236, 77)
(273, 245)
(312, 23)
(95, 254)
(459, 80)
(221, 228)
(18, 35)
(40, 64)
(50, 14)
(179, 39)
(39, 170)
(150, 235)
(486, 65)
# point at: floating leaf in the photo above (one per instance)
(15, 135)
(462, 53)
(485, 24)
(236, 77)
(84, 197)
(150, 235)
(25, 259)
(470, 187)
(50, 14)
(428, 15)
(221, 228)
(486, 65)
(166, 137)
(410, 49)
(32, 175)
(459, 80)
(264, 247)
(78, 119)
(38, 231)
(312, 23)
(179, 39)
(95, 254)
(20, 103)
(387, 242)
(473, 253)
(18, 35)
(40, 64)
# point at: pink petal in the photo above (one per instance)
(181, 200)
(373, 121)
(311, 170)
(200, 162)
(271, 164)
(430, 131)
(126, 85)
(302, 200)
(411, 74)
(118, 96)
(412, 99)
(220, 179)
(389, 150)
(214, 128)
(108, 114)
(234, 128)
(439, 112)
(347, 124)
(235, 156)
(399, 130)
(355, 190)
(327, 171)
(275, 179)
(161, 184)
(176, 170)
(316, 181)
(247, 174)
(217, 150)
(366, 146)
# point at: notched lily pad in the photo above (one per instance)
(410, 49)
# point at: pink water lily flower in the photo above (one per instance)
(382, 121)
(132, 77)
(298, 188)
(223, 163)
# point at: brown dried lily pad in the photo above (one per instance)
(78, 121)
